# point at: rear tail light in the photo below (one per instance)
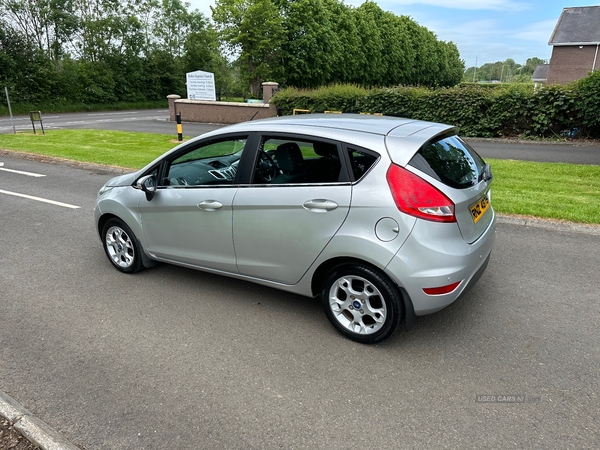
(416, 197)
(442, 289)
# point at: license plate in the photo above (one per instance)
(479, 208)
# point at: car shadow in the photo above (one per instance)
(452, 323)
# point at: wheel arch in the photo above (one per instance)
(320, 275)
(104, 218)
(102, 221)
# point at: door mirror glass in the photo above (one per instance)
(148, 185)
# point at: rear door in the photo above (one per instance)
(284, 218)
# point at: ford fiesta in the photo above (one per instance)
(385, 219)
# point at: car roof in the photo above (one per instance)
(362, 123)
(401, 138)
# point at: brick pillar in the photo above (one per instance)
(269, 88)
(172, 110)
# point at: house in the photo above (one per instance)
(575, 43)
(540, 74)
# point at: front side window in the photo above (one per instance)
(211, 163)
(451, 161)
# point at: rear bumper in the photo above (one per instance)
(436, 255)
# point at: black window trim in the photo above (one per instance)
(351, 147)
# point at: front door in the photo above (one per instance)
(189, 220)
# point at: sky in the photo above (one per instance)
(485, 31)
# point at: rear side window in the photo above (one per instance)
(360, 161)
(451, 161)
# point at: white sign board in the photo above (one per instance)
(201, 85)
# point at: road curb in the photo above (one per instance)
(32, 428)
(99, 168)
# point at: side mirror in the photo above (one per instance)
(148, 185)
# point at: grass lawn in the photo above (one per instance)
(547, 190)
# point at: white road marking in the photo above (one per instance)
(112, 113)
(39, 199)
(20, 172)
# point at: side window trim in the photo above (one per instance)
(348, 148)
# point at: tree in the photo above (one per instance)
(253, 31)
(346, 63)
(452, 67)
(24, 69)
(371, 67)
(531, 64)
(45, 24)
(309, 48)
(399, 53)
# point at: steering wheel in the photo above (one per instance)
(178, 181)
(266, 169)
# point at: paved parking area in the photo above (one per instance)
(173, 358)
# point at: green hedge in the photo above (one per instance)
(505, 110)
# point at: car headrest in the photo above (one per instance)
(289, 157)
(325, 149)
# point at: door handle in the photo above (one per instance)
(320, 205)
(209, 205)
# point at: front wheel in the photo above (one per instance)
(121, 246)
(361, 302)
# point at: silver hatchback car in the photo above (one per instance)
(385, 219)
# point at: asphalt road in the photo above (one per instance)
(554, 152)
(156, 121)
(148, 121)
(173, 358)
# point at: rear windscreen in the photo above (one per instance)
(450, 160)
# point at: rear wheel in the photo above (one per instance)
(121, 246)
(361, 302)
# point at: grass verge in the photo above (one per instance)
(557, 191)
(111, 148)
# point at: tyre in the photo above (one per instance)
(361, 302)
(121, 246)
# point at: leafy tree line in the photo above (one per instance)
(106, 51)
(103, 51)
(310, 43)
(504, 71)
